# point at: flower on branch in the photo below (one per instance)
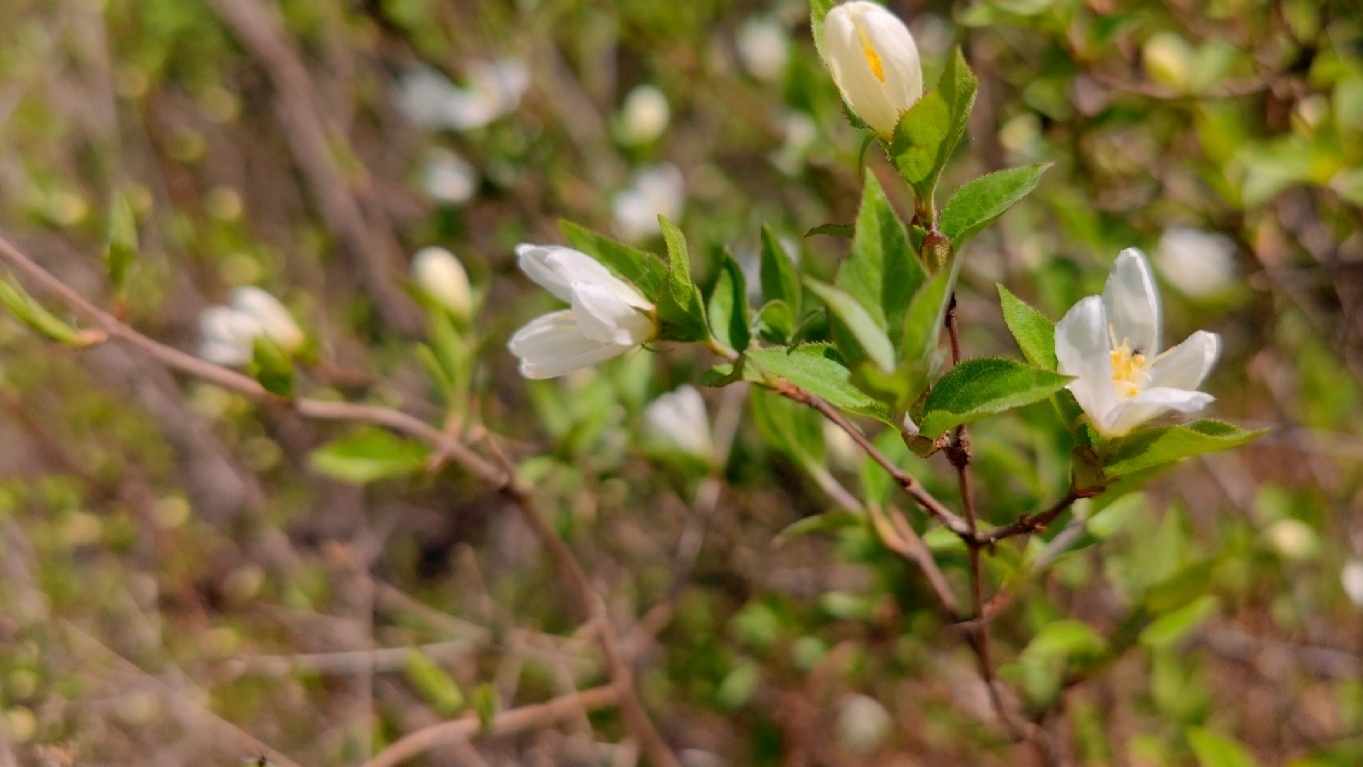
(874, 62)
(228, 333)
(608, 317)
(1111, 345)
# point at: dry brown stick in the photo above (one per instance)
(311, 134)
(899, 537)
(1031, 523)
(570, 571)
(505, 723)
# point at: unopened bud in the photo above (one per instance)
(443, 278)
(874, 62)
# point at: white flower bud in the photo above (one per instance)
(644, 115)
(679, 419)
(228, 333)
(763, 47)
(443, 278)
(1351, 578)
(1293, 539)
(874, 62)
(275, 320)
(863, 724)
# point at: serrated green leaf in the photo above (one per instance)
(1216, 750)
(271, 366)
(926, 313)
(681, 314)
(120, 249)
(1170, 628)
(776, 322)
(897, 388)
(433, 683)
(1152, 447)
(27, 309)
(818, 10)
(833, 230)
(984, 386)
(728, 306)
(928, 133)
(870, 339)
(816, 369)
(780, 278)
(645, 270)
(881, 272)
(978, 203)
(1033, 331)
(368, 455)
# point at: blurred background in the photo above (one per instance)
(180, 582)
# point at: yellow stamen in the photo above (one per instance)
(869, 51)
(1128, 366)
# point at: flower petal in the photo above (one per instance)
(679, 418)
(1186, 366)
(604, 316)
(553, 345)
(275, 320)
(1152, 403)
(556, 268)
(1081, 347)
(1132, 302)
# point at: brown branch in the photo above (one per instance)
(570, 572)
(1030, 523)
(505, 723)
(899, 537)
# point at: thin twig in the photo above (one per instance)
(1031, 523)
(899, 537)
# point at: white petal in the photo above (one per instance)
(438, 272)
(605, 316)
(274, 319)
(553, 345)
(878, 96)
(680, 418)
(1152, 403)
(1081, 347)
(1186, 366)
(221, 353)
(555, 268)
(1132, 302)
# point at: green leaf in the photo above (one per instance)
(985, 386)
(271, 366)
(926, 313)
(432, 682)
(829, 521)
(729, 306)
(818, 9)
(1172, 627)
(1152, 447)
(833, 230)
(791, 428)
(645, 270)
(36, 316)
(681, 314)
(1216, 750)
(1067, 638)
(977, 204)
(927, 134)
(368, 455)
(871, 339)
(120, 249)
(1033, 331)
(881, 272)
(1185, 585)
(816, 369)
(897, 388)
(486, 703)
(777, 322)
(780, 278)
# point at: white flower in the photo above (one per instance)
(679, 419)
(863, 723)
(1111, 344)
(1293, 539)
(429, 100)
(607, 318)
(657, 190)
(874, 62)
(1351, 578)
(448, 178)
(644, 115)
(1198, 263)
(763, 47)
(443, 278)
(228, 333)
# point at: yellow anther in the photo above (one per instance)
(869, 51)
(1128, 367)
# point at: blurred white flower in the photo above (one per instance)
(439, 273)
(429, 100)
(863, 724)
(656, 190)
(679, 419)
(448, 178)
(644, 115)
(1198, 263)
(228, 333)
(874, 62)
(1111, 344)
(763, 47)
(608, 317)
(1351, 578)
(1293, 539)
(842, 451)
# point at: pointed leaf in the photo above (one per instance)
(927, 311)
(927, 134)
(1151, 447)
(833, 230)
(818, 9)
(780, 278)
(873, 342)
(816, 369)
(984, 386)
(829, 521)
(681, 314)
(36, 316)
(729, 306)
(1032, 330)
(977, 204)
(645, 270)
(776, 322)
(882, 271)
(1216, 750)
(271, 366)
(120, 249)
(368, 455)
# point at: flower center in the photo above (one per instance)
(872, 58)
(1129, 366)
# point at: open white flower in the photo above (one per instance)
(1111, 344)
(429, 100)
(439, 273)
(763, 47)
(1198, 263)
(874, 62)
(644, 115)
(228, 333)
(608, 317)
(657, 190)
(679, 419)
